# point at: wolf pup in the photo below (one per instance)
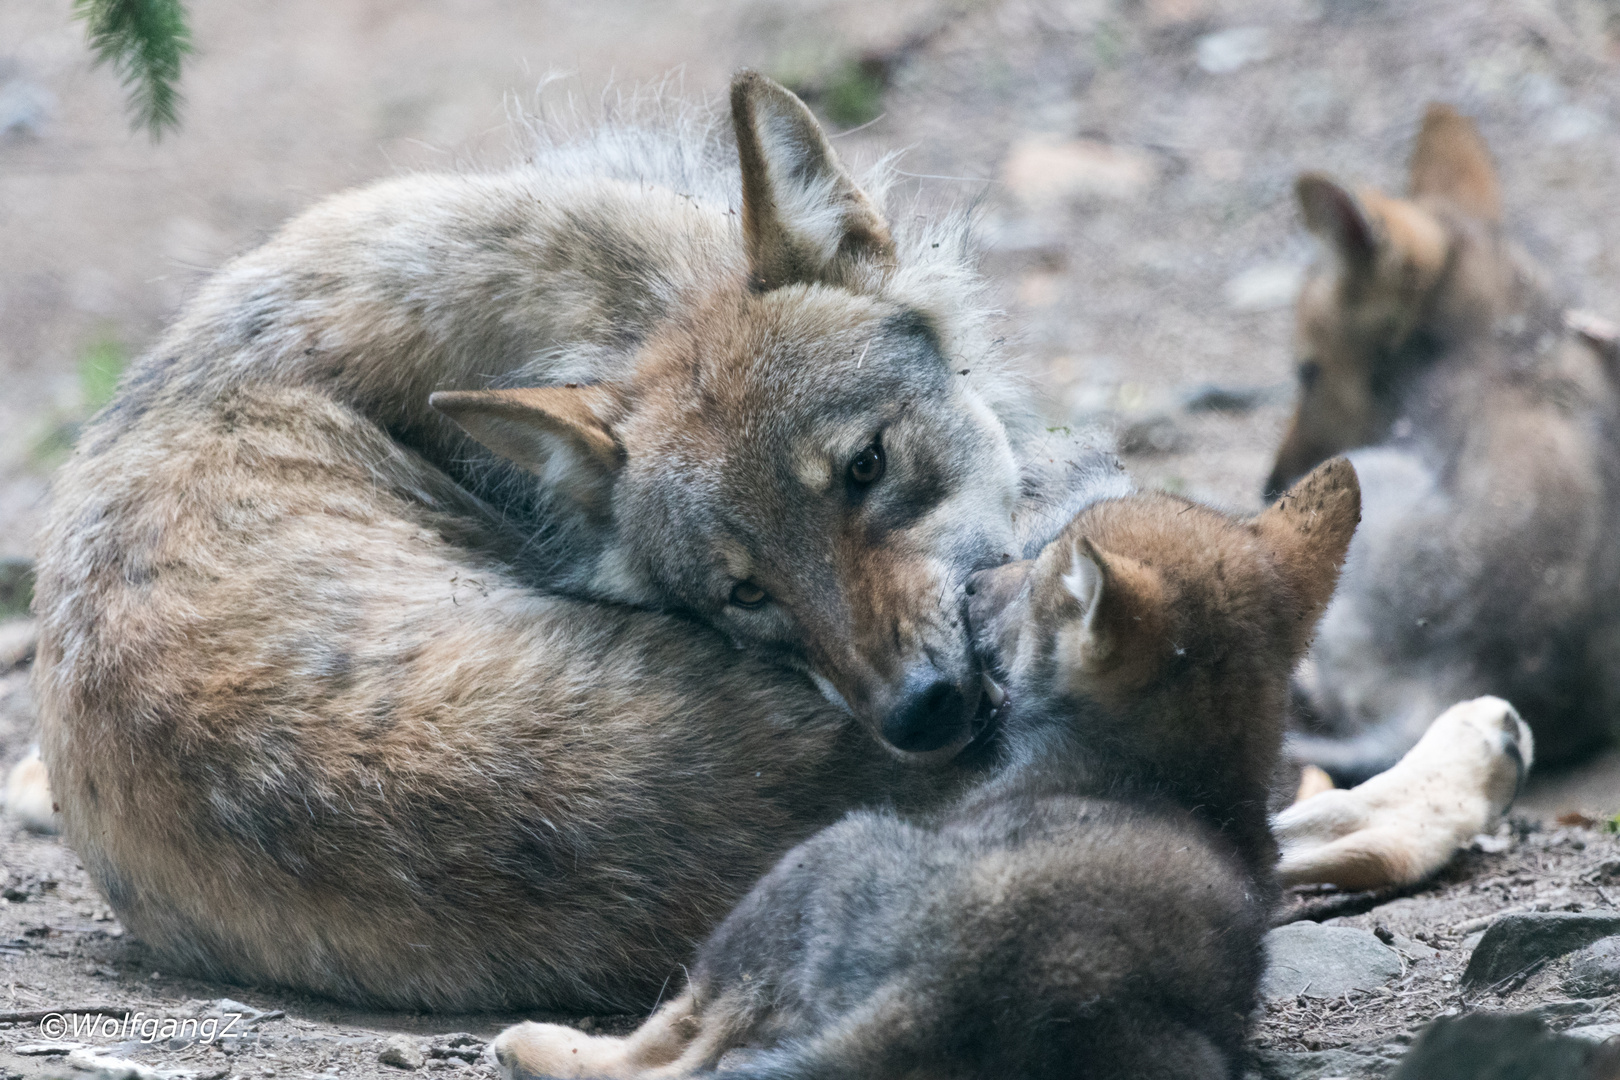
(336, 697)
(1096, 908)
(1489, 457)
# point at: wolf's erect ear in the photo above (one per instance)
(1335, 216)
(562, 434)
(1374, 236)
(803, 218)
(1451, 161)
(1114, 628)
(1308, 530)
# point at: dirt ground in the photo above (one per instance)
(1133, 160)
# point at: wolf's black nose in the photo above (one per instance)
(931, 712)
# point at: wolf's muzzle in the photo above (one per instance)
(932, 712)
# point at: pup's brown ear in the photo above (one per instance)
(1335, 216)
(1113, 636)
(562, 434)
(1390, 243)
(803, 218)
(1451, 161)
(1308, 530)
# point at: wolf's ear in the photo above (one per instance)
(803, 217)
(1116, 621)
(562, 434)
(1337, 217)
(1374, 236)
(1308, 530)
(1451, 161)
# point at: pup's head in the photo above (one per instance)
(799, 458)
(1404, 280)
(1172, 628)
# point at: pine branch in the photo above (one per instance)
(143, 41)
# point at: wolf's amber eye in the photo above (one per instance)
(867, 466)
(745, 594)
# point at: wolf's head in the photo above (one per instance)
(799, 457)
(1407, 282)
(1172, 628)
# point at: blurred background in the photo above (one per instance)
(1133, 160)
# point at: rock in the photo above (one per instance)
(1209, 397)
(24, 108)
(1315, 1065)
(52, 1048)
(1225, 51)
(1042, 170)
(93, 1066)
(1515, 943)
(1266, 287)
(1493, 1046)
(1597, 1033)
(16, 587)
(1560, 1009)
(1151, 435)
(1324, 961)
(401, 1052)
(1595, 970)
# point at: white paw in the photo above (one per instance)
(531, 1051)
(28, 796)
(1406, 823)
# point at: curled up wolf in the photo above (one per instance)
(506, 699)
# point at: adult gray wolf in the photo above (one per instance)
(334, 697)
(1485, 434)
(1096, 909)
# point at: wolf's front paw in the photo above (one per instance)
(542, 1051)
(1405, 823)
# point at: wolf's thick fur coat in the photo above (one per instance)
(1096, 909)
(1487, 438)
(335, 698)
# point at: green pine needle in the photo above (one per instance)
(143, 41)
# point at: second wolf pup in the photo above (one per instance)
(1095, 909)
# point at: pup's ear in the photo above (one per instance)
(1392, 242)
(1451, 161)
(562, 434)
(1308, 531)
(1115, 625)
(1335, 216)
(803, 218)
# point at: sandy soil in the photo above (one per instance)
(1133, 160)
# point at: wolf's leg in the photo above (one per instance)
(1405, 823)
(532, 1050)
(28, 795)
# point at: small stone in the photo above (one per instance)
(1225, 51)
(1306, 958)
(1595, 970)
(1043, 170)
(53, 1048)
(1515, 943)
(401, 1052)
(1491, 1044)
(1267, 287)
(1151, 436)
(1316, 1065)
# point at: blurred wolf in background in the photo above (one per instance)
(336, 697)
(1096, 909)
(1485, 435)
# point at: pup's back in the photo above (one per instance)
(1097, 908)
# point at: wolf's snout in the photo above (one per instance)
(931, 713)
